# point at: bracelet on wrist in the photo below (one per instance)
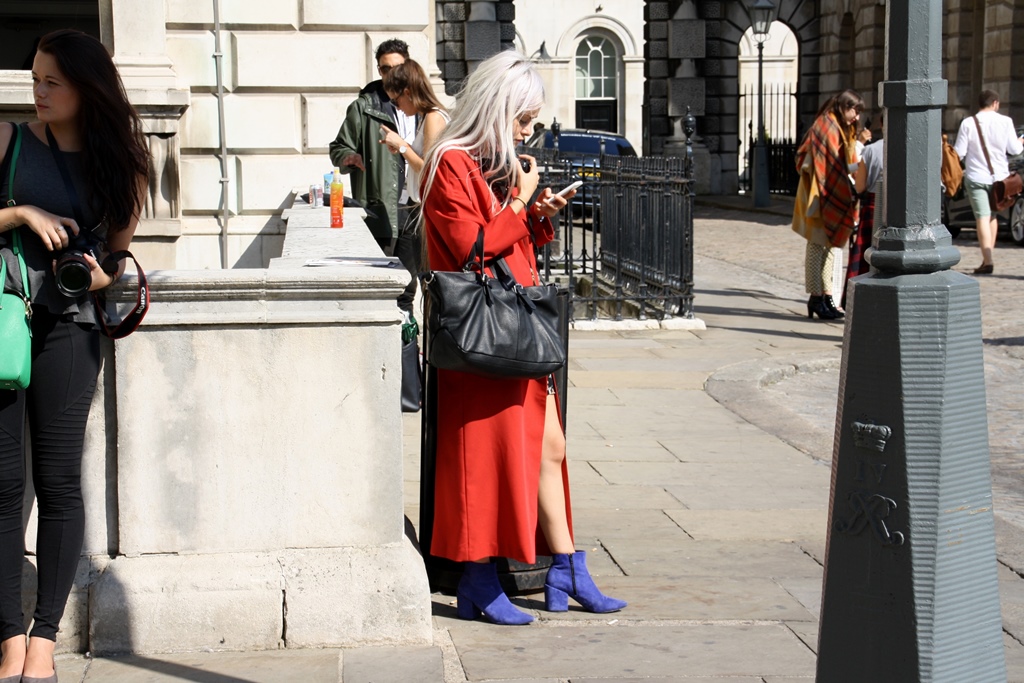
(520, 200)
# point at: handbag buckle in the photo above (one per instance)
(28, 308)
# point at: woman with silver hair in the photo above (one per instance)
(502, 487)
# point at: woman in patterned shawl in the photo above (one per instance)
(825, 211)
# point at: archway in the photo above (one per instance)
(781, 76)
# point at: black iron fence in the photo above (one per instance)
(782, 137)
(624, 246)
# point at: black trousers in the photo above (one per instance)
(408, 248)
(65, 366)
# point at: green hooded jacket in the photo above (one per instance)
(377, 188)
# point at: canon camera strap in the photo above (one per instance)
(131, 322)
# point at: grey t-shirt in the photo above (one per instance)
(37, 182)
(872, 158)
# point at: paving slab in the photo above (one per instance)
(620, 497)
(735, 525)
(806, 591)
(1014, 653)
(312, 666)
(385, 664)
(688, 598)
(1011, 599)
(623, 451)
(650, 524)
(653, 380)
(723, 496)
(807, 475)
(753, 559)
(594, 651)
(672, 679)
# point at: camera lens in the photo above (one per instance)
(525, 163)
(73, 275)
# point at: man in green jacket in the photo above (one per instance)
(377, 175)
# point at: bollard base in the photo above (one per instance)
(910, 588)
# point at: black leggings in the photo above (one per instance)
(65, 365)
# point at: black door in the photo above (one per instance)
(597, 115)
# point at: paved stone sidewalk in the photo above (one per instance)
(700, 484)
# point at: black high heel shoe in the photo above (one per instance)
(816, 305)
(831, 305)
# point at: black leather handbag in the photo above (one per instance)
(491, 325)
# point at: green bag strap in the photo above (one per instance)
(15, 235)
(14, 165)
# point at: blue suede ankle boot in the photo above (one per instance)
(568, 577)
(479, 591)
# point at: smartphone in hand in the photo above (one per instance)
(566, 190)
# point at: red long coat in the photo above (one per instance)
(489, 431)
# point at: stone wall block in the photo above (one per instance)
(508, 33)
(178, 502)
(453, 11)
(191, 54)
(712, 9)
(323, 117)
(656, 30)
(505, 11)
(454, 31)
(683, 93)
(200, 184)
(482, 39)
(403, 16)
(657, 107)
(659, 126)
(656, 11)
(294, 62)
(454, 72)
(686, 38)
(657, 49)
(454, 51)
(657, 68)
(252, 122)
(194, 602)
(236, 14)
(369, 606)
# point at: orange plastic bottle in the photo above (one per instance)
(337, 200)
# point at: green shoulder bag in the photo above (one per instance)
(15, 309)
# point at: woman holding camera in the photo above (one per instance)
(501, 480)
(86, 125)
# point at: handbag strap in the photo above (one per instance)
(10, 163)
(62, 166)
(984, 148)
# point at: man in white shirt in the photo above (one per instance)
(1000, 139)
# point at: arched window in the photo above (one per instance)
(596, 69)
(597, 84)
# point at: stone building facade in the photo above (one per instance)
(289, 69)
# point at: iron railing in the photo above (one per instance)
(624, 246)
(782, 135)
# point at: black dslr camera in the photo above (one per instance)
(72, 271)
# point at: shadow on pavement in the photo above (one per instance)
(180, 671)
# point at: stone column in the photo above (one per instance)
(136, 34)
(910, 589)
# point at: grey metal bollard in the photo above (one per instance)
(910, 590)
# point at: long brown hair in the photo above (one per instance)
(410, 76)
(840, 104)
(114, 151)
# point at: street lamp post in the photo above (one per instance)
(761, 16)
